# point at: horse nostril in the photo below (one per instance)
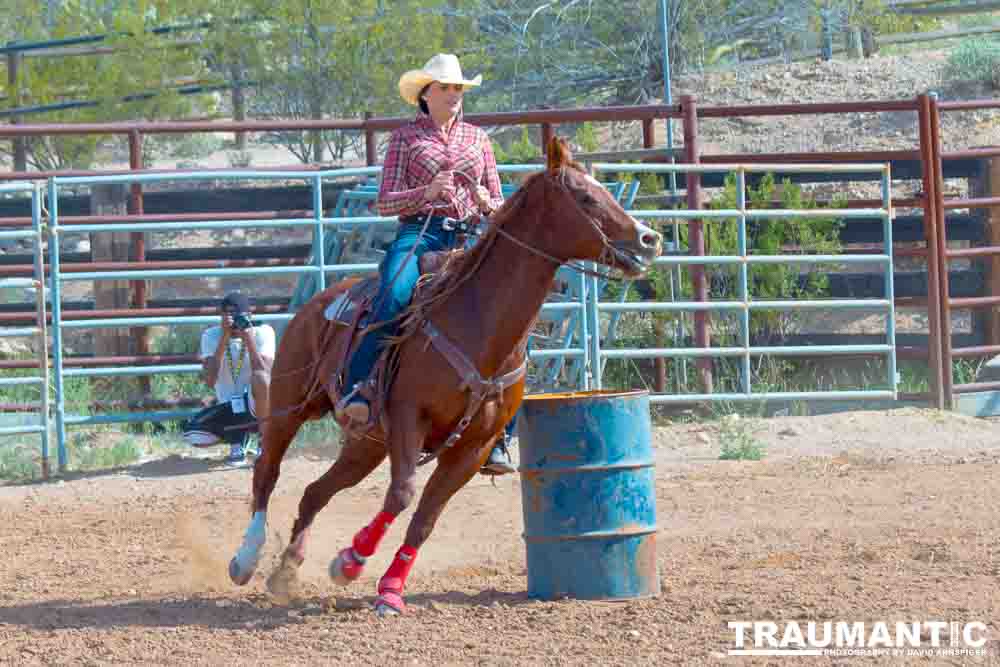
(649, 240)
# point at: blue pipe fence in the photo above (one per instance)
(36, 422)
(579, 310)
(746, 304)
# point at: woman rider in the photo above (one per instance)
(419, 179)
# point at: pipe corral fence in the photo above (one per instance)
(38, 422)
(587, 303)
(926, 163)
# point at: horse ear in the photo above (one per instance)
(559, 154)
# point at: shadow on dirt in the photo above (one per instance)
(164, 613)
(176, 465)
(255, 612)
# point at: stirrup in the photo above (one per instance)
(354, 407)
(499, 467)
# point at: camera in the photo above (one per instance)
(242, 321)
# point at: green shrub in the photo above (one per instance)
(17, 462)
(972, 60)
(737, 441)
(814, 236)
(518, 152)
(766, 282)
(586, 138)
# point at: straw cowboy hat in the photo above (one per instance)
(443, 68)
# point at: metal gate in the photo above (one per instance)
(746, 304)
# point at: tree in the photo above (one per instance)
(565, 52)
(141, 67)
(333, 58)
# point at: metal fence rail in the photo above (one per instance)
(38, 421)
(585, 346)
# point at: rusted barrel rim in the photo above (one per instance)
(583, 396)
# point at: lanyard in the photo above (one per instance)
(234, 369)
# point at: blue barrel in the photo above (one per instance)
(588, 495)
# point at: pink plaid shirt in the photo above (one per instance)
(417, 152)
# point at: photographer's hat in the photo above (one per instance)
(236, 301)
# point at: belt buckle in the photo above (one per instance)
(448, 224)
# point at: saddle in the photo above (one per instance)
(351, 305)
(349, 311)
(352, 310)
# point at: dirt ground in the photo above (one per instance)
(854, 517)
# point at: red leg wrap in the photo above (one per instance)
(350, 567)
(390, 586)
(366, 541)
(395, 577)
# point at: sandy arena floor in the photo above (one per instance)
(852, 517)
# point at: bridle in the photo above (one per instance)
(574, 266)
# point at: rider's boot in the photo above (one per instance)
(499, 461)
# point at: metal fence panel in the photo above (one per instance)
(581, 347)
(40, 417)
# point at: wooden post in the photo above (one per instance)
(14, 60)
(941, 243)
(935, 363)
(239, 108)
(371, 149)
(826, 35)
(869, 45)
(548, 131)
(855, 44)
(111, 199)
(316, 136)
(137, 253)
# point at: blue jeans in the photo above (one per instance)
(398, 276)
(509, 430)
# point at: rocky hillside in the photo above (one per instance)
(892, 77)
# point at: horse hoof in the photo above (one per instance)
(345, 568)
(385, 611)
(238, 577)
(283, 584)
(389, 604)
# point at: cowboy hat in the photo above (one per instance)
(443, 68)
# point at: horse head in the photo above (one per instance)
(584, 222)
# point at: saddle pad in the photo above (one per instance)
(335, 311)
(344, 308)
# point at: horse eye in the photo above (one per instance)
(588, 200)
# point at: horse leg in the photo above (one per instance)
(455, 468)
(406, 438)
(276, 436)
(358, 458)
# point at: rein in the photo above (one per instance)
(579, 268)
(541, 253)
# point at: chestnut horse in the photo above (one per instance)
(481, 308)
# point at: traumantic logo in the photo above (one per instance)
(841, 638)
